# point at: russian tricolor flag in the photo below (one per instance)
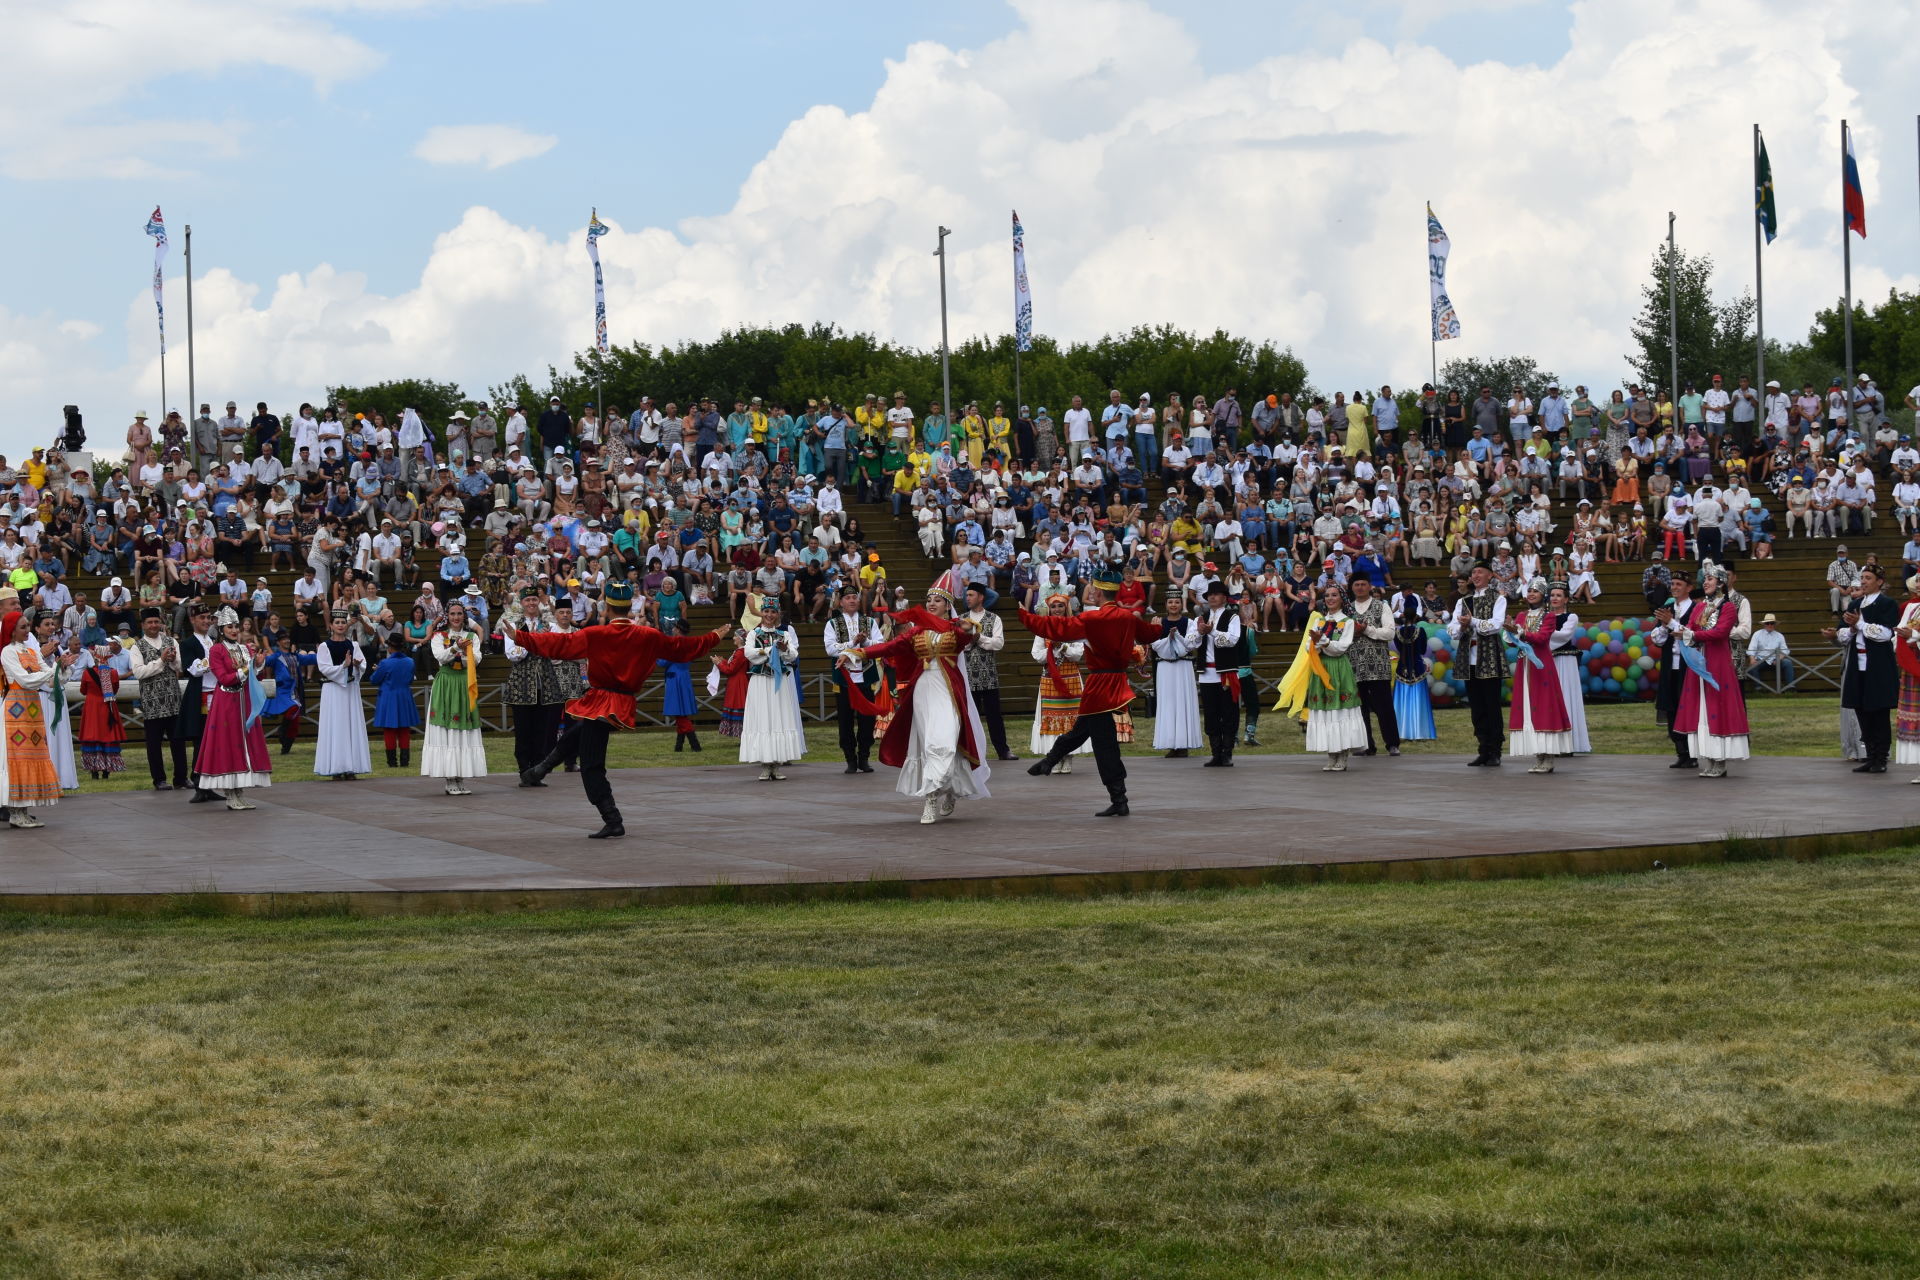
(1852, 199)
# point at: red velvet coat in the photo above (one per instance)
(1538, 688)
(619, 660)
(928, 648)
(1726, 707)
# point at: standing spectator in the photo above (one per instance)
(556, 429)
(1080, 430)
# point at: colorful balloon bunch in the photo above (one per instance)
(1617, 658)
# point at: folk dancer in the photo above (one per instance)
(196, 642)
(983, 668)
(1671, 616)
(1478, 627)
(1871, 686)
(1110, 632)
(289, 699)
(1538, 717)
(850, 628)
(155, 663)
(233, 747)
(1217, 657)
(341, 754)
(677, 701)
(728, 681)
(619, 657)
(1335, 726)
(53, 697)
(535, 687)
(1906, 727)
(101, 729)
(771, 734)
(1372, 659)
(453, 749)
(31, 781)
(1057, 704)
(1412, 701)
(1176, 690)
(394, 713)
(936, 739)
(1566, 661)
(1712, 710)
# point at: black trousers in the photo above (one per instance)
(856, 730)
(1876, 732)
(1376, 703)
(1483, 700)
(164, 736)
(1096, 728)
(590, 736)
(1220, 717)
(987, 703)
(535, 729)
(191, 724)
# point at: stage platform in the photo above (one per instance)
(394, 845)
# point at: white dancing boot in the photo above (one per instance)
(465, 790)
(23, 818)
(453, 786)
(1542, 764)
(946, 798)
(766, 773)
(1066, 766)
(930, 811)
(773, 771)
(1336, 762)
(237, 800)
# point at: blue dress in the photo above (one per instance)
(286, 685)
(677, 679)
(394, 708)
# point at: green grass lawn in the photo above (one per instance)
(1781, 727)
(1700, 1073)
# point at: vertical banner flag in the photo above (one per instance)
(1851, 197)
(1022, 296)
(1763, 194)
(596, 229)
(157, 228)
(1446, 321)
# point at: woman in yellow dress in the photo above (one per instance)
(1000, 432)
(973, 435)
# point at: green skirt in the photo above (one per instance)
(1341, 695)
(447, 705)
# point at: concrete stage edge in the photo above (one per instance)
(398, 846)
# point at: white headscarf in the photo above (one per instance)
(413, 432)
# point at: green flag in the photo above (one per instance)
(1763, 193)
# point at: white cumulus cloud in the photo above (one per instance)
(1284, 200)
(491, 146)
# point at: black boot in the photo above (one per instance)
(853, 765)
(679, 741)
(203, 796)
(1117, 808)
(693, 741)
(537, 776)
(406, 757)
(1044, 765)
(613, 827)
(863, 766)
(393, 757)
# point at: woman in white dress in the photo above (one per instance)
(454, 749)
(770, 730)
(341, 752)
(1566, 660)
(1057, 704)
(55, 711)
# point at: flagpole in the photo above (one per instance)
(1673, 314)
(946, 381)
(1759, 288)
(193, 405)
(1846, 268)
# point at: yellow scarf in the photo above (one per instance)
(1306, 664)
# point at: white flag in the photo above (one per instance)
(157, 228)
(596, 229)
(1022, 296)
(1446, 321)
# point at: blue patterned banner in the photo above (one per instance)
(1446, 321)
(596, 229)
(1022, 296)
(157, 228)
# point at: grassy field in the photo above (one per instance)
(1705, 1073)
(1781, 727)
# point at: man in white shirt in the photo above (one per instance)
(1707, 511)
(307, 589)
(1079, 430)
(900, 421)
(830, 501)
(1714, 407)
(1778, 407)
(1769, 661)
(1116, 420)
(1217, 662)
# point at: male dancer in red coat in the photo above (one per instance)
(1111, 631)
(620, 656)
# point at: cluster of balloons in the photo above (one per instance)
(1618, 659)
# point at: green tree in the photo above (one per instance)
(1503, 374)
(1713, 337)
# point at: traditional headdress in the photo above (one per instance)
(226, 618)
(947, 587)
(1537, 583)
(1710, 570)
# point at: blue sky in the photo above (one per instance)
(293, 146)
